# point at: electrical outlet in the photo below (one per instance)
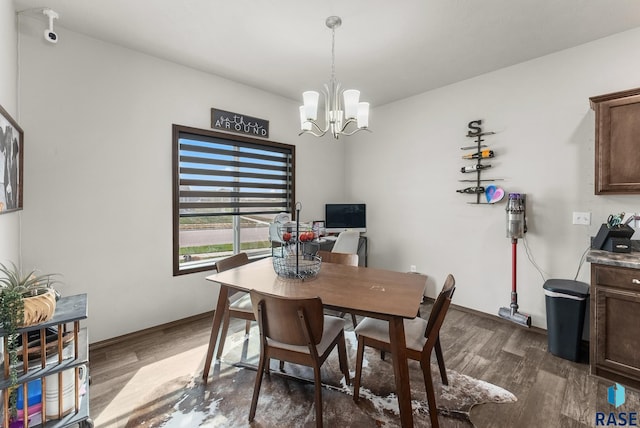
(583, 218)
(412, 268)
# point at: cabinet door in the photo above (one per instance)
(617, 325)
(617, 145)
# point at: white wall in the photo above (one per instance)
(9, 222)
(408, 169)
(98, 190)
(97, 120)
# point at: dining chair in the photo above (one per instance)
(348, 259)
(347, 242)
(421, 338)
(296, 331)
(237, 308)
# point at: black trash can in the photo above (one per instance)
(566, 302)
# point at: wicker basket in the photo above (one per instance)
(39, 308)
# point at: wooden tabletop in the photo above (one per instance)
(363, 290)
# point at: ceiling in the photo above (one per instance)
(388, 49)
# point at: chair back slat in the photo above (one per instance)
(280, 317)
(447, 292)
(339, 258)
(232, 262)
(439, 311)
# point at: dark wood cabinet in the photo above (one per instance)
(615, 332)
(617, 153)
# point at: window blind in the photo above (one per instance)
(223, 174)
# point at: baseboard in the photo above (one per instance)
(119, 339)
(497, 318)
(115, 340)
(583, 343)
(489, 316)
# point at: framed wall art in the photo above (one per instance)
(11, 163)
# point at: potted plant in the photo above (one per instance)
(25, 300)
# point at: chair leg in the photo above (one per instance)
(318, 394)
(281, 365)
(223, 333)
(382, 355)
(440, 358)
(431, 395)
(359, 358)
(256, 388)
(354, 320)
(247, 327)
(342, 356)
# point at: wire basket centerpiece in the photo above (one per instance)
(297, 266)
(295, 253)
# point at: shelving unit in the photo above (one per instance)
(475, 131)
(69, 312)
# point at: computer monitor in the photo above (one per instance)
(340, 217)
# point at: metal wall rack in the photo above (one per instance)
(475, 131)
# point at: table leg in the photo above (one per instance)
(223, 300)
(401, 370)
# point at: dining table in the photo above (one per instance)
(366, 291)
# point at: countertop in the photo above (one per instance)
(628, 260)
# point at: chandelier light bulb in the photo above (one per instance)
(351, 99)
(363, 115)
(305, 125)
(310, 99)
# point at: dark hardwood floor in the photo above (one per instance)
(552, 392)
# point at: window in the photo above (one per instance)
(226, 191)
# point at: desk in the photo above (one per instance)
(370, 292)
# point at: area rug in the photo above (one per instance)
(224, 401)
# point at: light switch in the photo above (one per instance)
(583, 218)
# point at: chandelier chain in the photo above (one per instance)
(333, 54)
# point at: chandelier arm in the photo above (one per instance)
(312, 133)
(355, 130)
(322, 130)
(327, 107)
(346, 123)
(315, 125)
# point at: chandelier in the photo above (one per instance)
(344, 113)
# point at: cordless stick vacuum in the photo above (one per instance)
(516, 228)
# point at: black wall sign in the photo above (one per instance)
(236, 122)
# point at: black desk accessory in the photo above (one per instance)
(612, 238)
